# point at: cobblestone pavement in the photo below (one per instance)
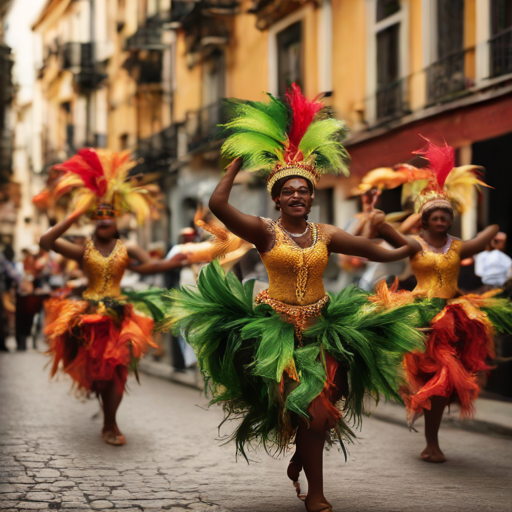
(52, 457)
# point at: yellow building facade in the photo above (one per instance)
(390, 68)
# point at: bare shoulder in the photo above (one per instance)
(329, 229)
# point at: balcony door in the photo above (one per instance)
(501, 37)
(213, 90)
(387, 60)
(446, 76)
(289, 57)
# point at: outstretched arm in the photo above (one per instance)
(479, 243)
(148, 266)
(342, 242)
(51, 241)
(248, 227)
(397, 239)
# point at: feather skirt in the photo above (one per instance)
(255, 367)
(98, 342)
(459, 346)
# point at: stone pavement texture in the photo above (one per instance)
(52, 457)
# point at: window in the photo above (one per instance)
(446, 76)
(289, 57)
(386, 8)
(501, 40)
(389, 89)
(450, 22)
(123, 141)
(501, 15)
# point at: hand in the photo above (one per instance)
(235, 166)
(181, 258)
(372, 221)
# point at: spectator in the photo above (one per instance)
(493, 265)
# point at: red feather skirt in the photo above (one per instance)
(458, 347)
(93, 344)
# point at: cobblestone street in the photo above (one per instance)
(52, 457)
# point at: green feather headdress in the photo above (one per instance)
(296, 137)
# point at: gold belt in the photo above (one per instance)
(299, 316)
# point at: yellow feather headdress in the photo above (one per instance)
(439, 184)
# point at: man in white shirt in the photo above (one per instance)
(493, 266)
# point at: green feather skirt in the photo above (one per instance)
(265, 379)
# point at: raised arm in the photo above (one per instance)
(342, 242)
(248, 227)
(148, 266)
(479, 243)
(51, 240)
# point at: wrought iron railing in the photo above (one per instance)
(159, 150)
(80, 59)
(390, 100)
(447, 78)
(202, 126)
(146, 38)
(500, 47)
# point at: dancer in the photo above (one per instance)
(281, 365)
(99, 337)
(460, 328)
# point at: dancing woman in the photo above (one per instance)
(460, 341)
(281, 365)
(97, 339)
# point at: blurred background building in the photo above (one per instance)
(150, 75)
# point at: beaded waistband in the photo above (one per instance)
(299, 316)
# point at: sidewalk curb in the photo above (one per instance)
(191, 378)
(394, 413)
(388, 412)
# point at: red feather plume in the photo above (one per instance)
(87, 165)
(303, 113)
(441, 160)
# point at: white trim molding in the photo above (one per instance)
(483, 33)
(325, 63)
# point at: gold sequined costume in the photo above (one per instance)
(96, 339)
(286, 354)
(460, 343)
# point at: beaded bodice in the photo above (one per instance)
(104, 272)
(295, 274)
(437, 271)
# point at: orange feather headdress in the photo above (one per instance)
(94, 178)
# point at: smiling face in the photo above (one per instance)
(438, 221)
(295, 198)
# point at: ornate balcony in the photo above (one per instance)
(202, 126)
(79, 58)
(158, 151)
(146, 38)
(447, 79)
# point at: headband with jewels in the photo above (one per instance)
(439, 185)
(97, 181)
(293, 137)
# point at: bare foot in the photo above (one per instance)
(318, 506)
(433, 454)
(293, 472)
(112, 435)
